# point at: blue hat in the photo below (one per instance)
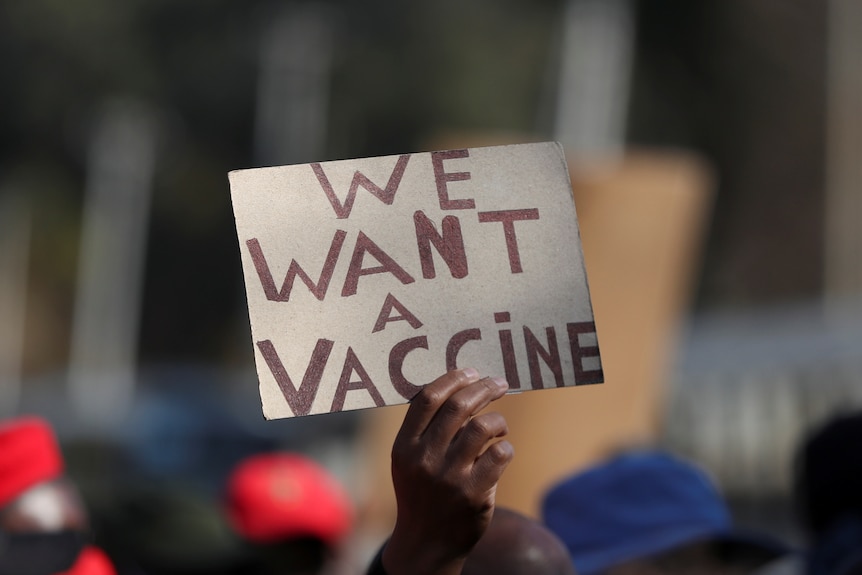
(636, 505)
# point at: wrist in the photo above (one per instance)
(400, 558)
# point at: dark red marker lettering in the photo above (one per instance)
(355, 271)
(441, 177)
(507, 349)
(385, 316)
(396, 364)
(385, 195)
(551, 357)
(456, 342)
(449, 244)
(299, 400)
(508, 219)
(295, 270)
(579, 352)
(353, 365)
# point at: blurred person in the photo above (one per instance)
(91, 561)
(514, 544)
(43, 522)
(291, 511)
(649, 513)
(447, 459)
(828, 495)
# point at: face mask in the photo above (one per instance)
(39, 553)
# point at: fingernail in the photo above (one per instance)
(470, 373)
(501, 383)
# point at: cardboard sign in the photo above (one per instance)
(367, 279)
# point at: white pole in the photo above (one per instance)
(293, 86)
(595, 73)
(121, 160)
(843, 241)
(14, 258)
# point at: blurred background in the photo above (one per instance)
(714, 148)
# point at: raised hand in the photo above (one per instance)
(445, 468)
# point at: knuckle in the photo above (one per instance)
(500, 452)
(456, 405)
(427, 399)
(424, 465)
(500, 424)
(487, 426)
(481, 427)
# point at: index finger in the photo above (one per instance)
(424, 406)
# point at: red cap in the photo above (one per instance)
(29, 455)
(91, 561)
(281, 496)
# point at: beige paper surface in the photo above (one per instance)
(369, 278)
